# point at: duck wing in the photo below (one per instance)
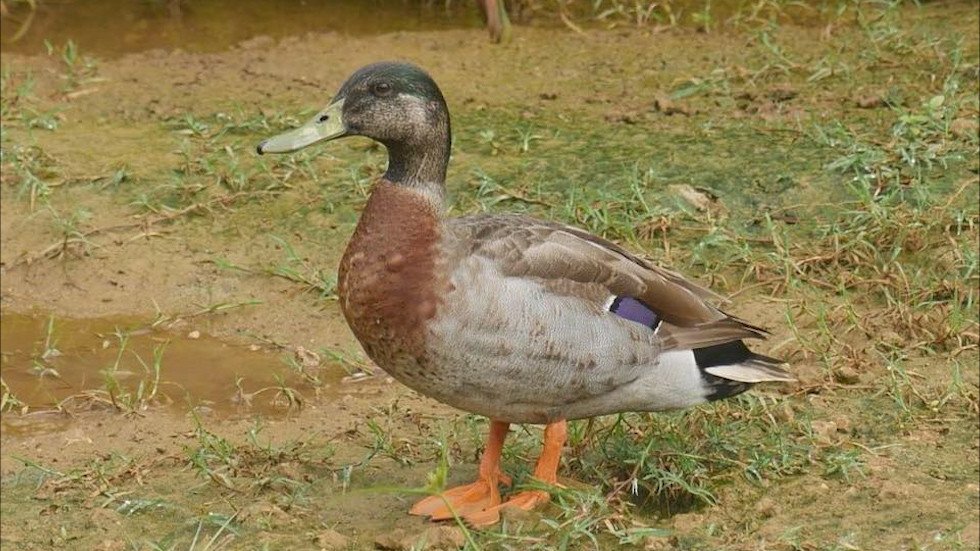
(570, 261)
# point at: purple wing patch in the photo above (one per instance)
(634, 310)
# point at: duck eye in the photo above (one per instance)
(323, 118)
(381, 89)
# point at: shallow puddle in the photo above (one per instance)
(63, 365)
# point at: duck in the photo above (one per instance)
(520, 320)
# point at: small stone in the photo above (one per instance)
(663, 103)
(264, 514)
(290, 470)
(667, 106)
(688, 522)
(766, 507)
(825, 431)
(964, 127)
(847, 375)
(785, 413)
(194, 334)
(782, 93)
(433, 538)
(625, 117)
(891, 337)
(697, 198)
(870, 101)
(331, 540)
(356, 377)
(445, 538)
(891, 490)
(390, 541)
(307, 358)
(658, 543)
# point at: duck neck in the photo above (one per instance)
(420, 163)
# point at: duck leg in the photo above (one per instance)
(478, 496)
(546, 470)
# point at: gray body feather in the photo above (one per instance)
(524, 333)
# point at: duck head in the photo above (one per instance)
(396, 104)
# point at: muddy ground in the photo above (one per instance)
(769, 160)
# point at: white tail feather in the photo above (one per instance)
(751, 371)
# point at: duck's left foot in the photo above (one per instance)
(462, 500)
(524, 501)
(475, 497)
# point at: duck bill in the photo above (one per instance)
(325, 125)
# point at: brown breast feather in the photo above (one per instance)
(387, 282)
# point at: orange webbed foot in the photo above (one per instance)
(461, 500)
(477, 496)
(546, 471)
(524, 501)
(479, 503)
